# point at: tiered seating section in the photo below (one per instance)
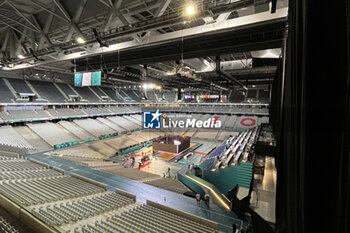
(19, 86)
(238, 149)
(6, 95)
(72, 210)
(87, 94)
(6, 226)
(48, 91)
(219, 108)
(37, 136)
(35, 191)
(10, 137)
(60, 93)
(51, 133)
(146, 218)
(75, 130)
(94, 127)
(62, 113)
(75, 204)
(124, 123)
(170, 96)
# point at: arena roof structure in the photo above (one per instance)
(196, 49)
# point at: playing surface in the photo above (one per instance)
(167, 156)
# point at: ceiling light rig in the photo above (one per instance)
(20, 56)
(80, 40)
(150, 86)
(190, 9)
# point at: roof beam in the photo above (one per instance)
(160, 11)
(18, 42)
(115, 13)
(51, 12)
(32, 40)
(45, 30)
(5, 41)
(70, 20)
(23, 16)
(44, 35)
(258, 20)
(3, 28)
(17, 22)
(114, 7)
(61, 8)
(107, 4)
(118, 3)
(13, 28)
(75, 21)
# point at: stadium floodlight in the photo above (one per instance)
(80, 40)
(190, 9)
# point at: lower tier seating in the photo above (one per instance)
(40, 190)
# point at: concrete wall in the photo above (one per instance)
(24, 216)
(104, 186)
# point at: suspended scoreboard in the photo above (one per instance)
(87, 79)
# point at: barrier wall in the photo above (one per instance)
(227, 178)
(9, 154)
(40, 163)
(246, 122)
(135, 148)
(192, 185)
(65, 145)
(124, 193)
(13, 149)
(24, 216)
(83, 178)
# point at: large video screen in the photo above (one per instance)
(78, 79)
(87, 79)
(96, 78)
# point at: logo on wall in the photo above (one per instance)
(152, 120)
(248, 121)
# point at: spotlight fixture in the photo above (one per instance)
(190, 10)
(80, 40)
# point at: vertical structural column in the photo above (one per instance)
(179, 94)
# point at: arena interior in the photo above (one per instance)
(148, 116)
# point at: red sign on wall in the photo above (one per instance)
(248, 121)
